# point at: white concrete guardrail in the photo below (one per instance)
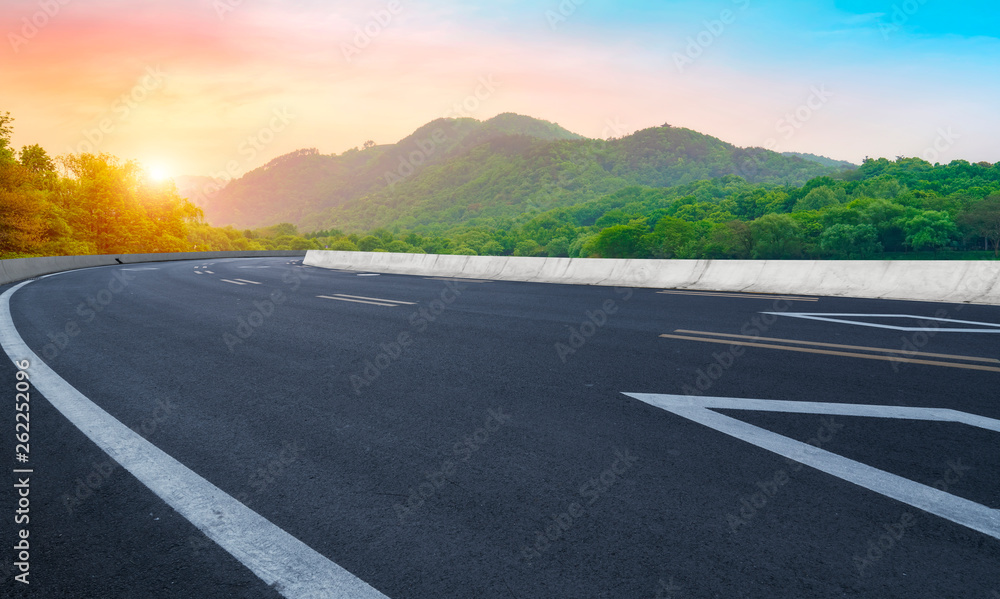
(20, 269)
(936, 281)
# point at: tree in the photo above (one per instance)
(817, 199)
(776, 236)
(343, 245)
(6, 153)
(983, 220)
(369, 144)
(370, 243)
(850, 241)
(670, 235)
(929, 230)
(36, 160)
(620, 241)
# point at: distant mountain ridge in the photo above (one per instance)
(455, 170)
(831, 162)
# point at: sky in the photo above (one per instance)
(220, 87)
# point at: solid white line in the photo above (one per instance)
(285, 563)
(376, 299)
(251, 282)
(991, 327)
(345, 299)
(961, 511)
(233, 282)
(795, 298)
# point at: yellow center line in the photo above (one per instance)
(860, 347)
(791, 298)
(808, 350)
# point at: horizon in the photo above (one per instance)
(190, 87)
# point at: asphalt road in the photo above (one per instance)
(472, 439)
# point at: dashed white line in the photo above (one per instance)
(251, 282)
(233, 282)
(357, 301)
(376, 299)
(285, 563)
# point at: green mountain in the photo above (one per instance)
(464, 170)
(831, 162)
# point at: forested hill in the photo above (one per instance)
(300, 185)
(452, 171)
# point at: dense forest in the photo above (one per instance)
(905, 208)
(97, 204)
(883, 209)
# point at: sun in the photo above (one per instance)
(157, 172)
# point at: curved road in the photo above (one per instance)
(440, 438)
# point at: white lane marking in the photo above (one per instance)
(376, 299)
(357, 301)
(990, 327)
(961, 511)
(794, 298)
(148, 268)
(458, 280)
(233, 282)
(251, 282)
(287, 564)
(198, 272)
(209, 272)
(368, 274)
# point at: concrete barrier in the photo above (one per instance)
(936, 281)
(20, 269)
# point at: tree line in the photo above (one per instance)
(905, 208)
